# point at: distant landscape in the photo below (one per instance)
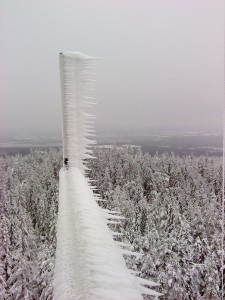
(181, 144)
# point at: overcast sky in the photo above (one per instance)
(161, 68)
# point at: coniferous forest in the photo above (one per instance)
(172, 207)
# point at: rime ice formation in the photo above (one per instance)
(89, 263)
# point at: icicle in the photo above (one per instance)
(134, 272)
(130, 253)
(147, 282)
(113, 222)
(114, 233)
(114, 217)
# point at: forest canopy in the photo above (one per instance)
(172, 207)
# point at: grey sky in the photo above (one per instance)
(161, 67)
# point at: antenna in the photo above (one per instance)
(76, 88)
(89, 263)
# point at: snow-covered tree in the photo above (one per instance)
(181, 243)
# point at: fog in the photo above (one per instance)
(161, 66)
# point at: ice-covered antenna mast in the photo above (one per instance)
(89, 263)
(75, 88)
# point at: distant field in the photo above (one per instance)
(182, 145)
(207, 144)
(179, 144)
(22, 150)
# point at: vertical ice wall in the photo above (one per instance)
(89, 263)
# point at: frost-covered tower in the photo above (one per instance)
(89, 263)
